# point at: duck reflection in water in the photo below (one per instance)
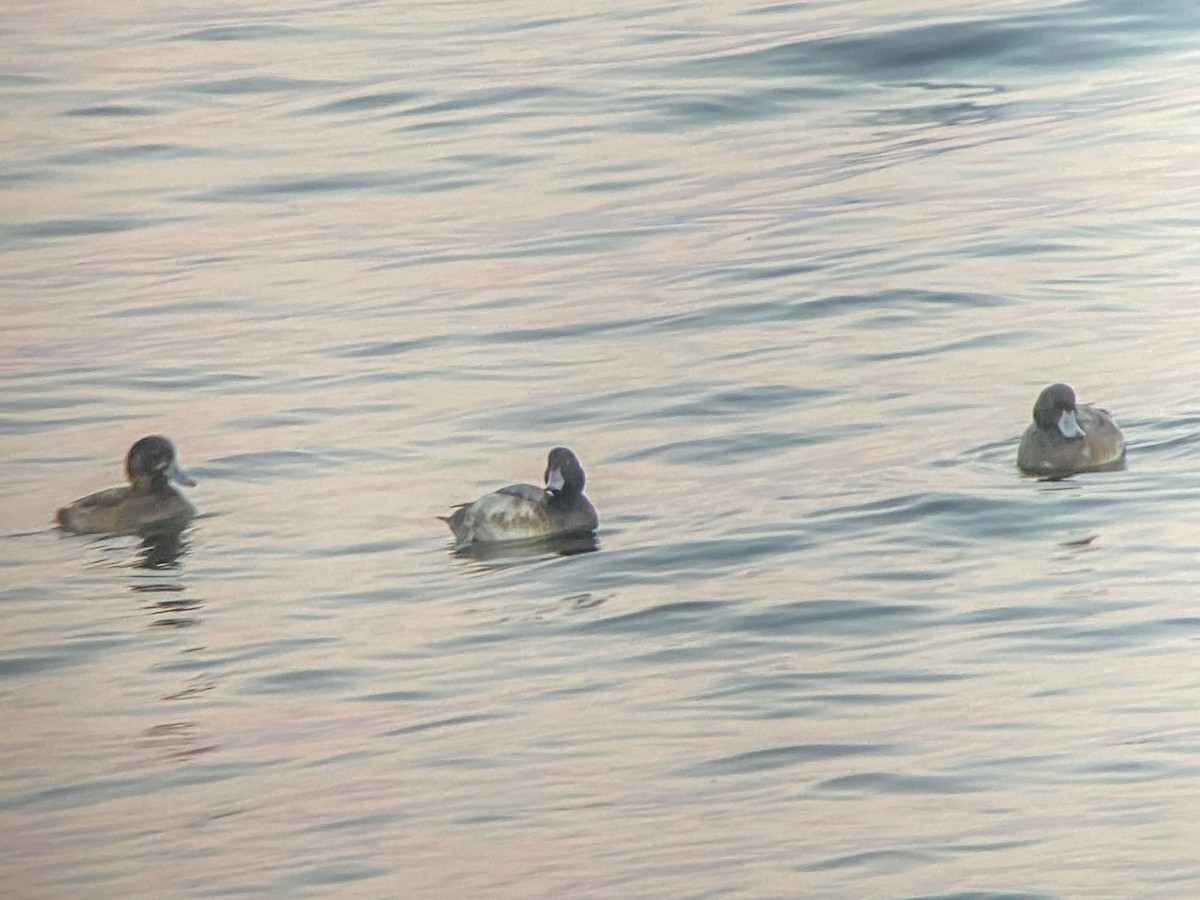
(169, 602)
(568, 545)
(162, 549)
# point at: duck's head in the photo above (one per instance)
(1055, 408)
(152, 460)
(564, 475)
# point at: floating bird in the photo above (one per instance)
(524, 512)
(147, 504)
(1066, 437)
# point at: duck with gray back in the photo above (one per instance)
(1068, 437)
(147, 504)
(524, 512)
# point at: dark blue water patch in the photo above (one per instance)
(368, 824)
(1003, 247)
(23, 79)
(749, 272)
(916, 306)
(397, 697)
(204, 662)
(1077, 638)
(270, 465)
(558, 134)
(676, 110)
(270, 420)
(799, 684)
(722, 401)
(805, 697)
(870, 784)
(985, 895)
(363, 548)
(113, 153)
(27, 596)
(67, 228)
(465, 763)
(973, 847)
(843, 617)
(683, 562)
(904, 576)
(734, 448)
(470, 643)
(699, 401)
(488, 818)
(191, 306)
(438, 724)
(363, 102)
(508, 98)
(218, 33)
(943, 350)
(1167, 439)
(493, 160)
(1014, 613)
(462, 123)
(35, 400)
(496, 372)
(176, 380)
(274, 188)
(835, 703)
(1131, 772)
(14, 178)
(261, 84)
(580, 690)
(577, 330)
(937, 518)
(579, 244)
(103, 790)
(881, 862)
(615, 185)
(1077, 36)
(24, 664)
(374, 349)
(309, 415)
(326, 874)
(339, 761)
(778, 758)
(305, 682)
(490, 27)
(111, 110)
(701, 653)
(994, 454)
(950, 114)
(665, 618)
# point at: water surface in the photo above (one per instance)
(787, 277)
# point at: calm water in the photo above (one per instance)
(787, 276)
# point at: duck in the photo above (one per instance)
(525, 512)
(147, 504)
(1066, 437)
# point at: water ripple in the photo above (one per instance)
(779, 757)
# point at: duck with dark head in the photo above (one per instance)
(525, 512)
(1066, 437)
(149, 503)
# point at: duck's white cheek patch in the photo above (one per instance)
(1068, 426)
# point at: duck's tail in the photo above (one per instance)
(457, 520)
